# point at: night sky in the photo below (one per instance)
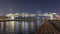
(29, 6)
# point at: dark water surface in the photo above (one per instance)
(20, 27)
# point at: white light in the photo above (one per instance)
(46, 14)
(9, 14)
(16, 13)
(53, 13)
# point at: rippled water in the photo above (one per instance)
(20, 27)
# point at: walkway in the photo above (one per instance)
(47, 28)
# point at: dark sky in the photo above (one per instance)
(29, 6)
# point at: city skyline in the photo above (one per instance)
(29, 6)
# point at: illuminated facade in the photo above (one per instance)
(45, 15)
(12, 16)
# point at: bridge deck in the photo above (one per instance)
(47, 28)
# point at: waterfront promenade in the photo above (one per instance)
(47, 28)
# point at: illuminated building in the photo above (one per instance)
(24, 15)
(12, 16)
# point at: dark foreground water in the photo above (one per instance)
(20, 27)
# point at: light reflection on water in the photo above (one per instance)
(20, 27)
